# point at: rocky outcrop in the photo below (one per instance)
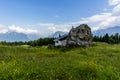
(80, 36)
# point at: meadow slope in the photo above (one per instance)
(98, 62)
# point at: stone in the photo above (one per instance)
(80, 36)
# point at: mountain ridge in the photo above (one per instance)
(57, 34)
(110, 31)
(14, 36)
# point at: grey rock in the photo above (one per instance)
(80, 36)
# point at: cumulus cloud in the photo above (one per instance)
(94, 18)
(101, 20)
(52, 27)
(21, 30)
(3, 28)
(114, 2)
(46, 24)
(14, 28)
(98, 21)
(109, 22)
(104, 20)
(116, 10)
(48, 27)
(112, 19)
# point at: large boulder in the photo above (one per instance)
(80, 36)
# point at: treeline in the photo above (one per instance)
(13, 43)
(111, 39)
(39, 42)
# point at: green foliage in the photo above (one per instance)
(13, 43)
(87, 27)
(98, 62)
(39, 42)
(113, 39)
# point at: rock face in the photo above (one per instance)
(80, 36)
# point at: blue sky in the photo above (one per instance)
(47, 16)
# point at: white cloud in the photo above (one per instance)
(52, 27)
(21, 30)
(46, 24)
(13, 28)
(3, 28)
(116, 10)
(104, 20)
(94, 18)
(98, 21)
(109, 22)
(101, 20)
(47, 27)
(114, 2)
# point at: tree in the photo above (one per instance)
(113, 39)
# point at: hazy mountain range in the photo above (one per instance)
(57, 34)
(110, 31)
(14, 36)
(100, 32)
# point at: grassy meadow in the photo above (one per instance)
(98, 62)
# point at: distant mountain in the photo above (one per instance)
(34, 36)
(13, 36)
(57, 34)
(110, 31)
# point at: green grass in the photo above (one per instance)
(98, 62)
